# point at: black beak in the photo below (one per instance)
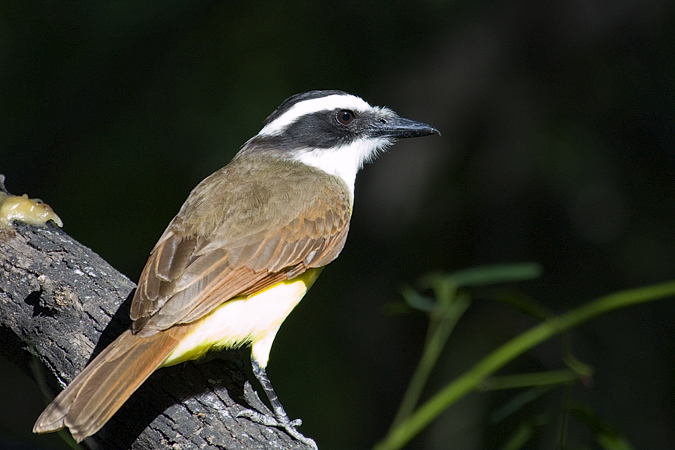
(398, 128)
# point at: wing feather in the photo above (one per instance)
(199, 264)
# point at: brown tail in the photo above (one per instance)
(107, 382)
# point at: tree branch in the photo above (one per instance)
(60, 303)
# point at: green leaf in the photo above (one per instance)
(605, 435)
(524, 432)
(517, 403)
(550, 377)
(520, 437)
(416, 300)
(486, 275)
(522, 303)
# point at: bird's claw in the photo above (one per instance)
(290, 426)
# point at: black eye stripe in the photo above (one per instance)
(321, 129)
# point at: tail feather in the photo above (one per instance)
(107, 382)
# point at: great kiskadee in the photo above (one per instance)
(244, 248)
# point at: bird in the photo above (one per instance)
(241, 253)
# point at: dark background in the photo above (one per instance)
(558, 146)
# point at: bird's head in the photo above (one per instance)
(333, 131)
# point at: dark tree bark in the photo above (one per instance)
(61, 304)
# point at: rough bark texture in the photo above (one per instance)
(60, 303)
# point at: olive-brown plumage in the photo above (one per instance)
(207, 254)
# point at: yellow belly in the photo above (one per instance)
(254, 319)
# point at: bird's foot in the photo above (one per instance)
(290, 426)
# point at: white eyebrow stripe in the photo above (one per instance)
(311, 106)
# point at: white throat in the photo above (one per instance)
(345, 161)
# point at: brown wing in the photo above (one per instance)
(200, 263)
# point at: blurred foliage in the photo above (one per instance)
(450, 301)
(558, 146)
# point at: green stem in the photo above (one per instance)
(438, 336)
(521, 380)
(411, 426)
